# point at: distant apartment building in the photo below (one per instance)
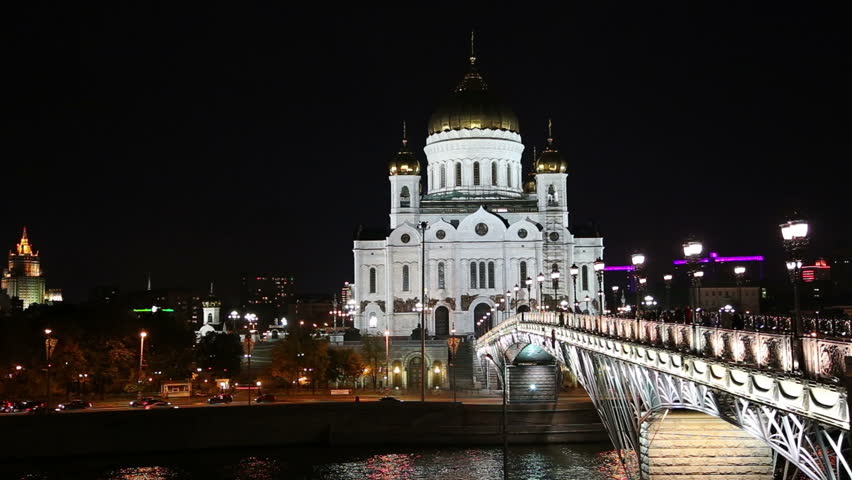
(23, 278)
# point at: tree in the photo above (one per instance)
(373, 354)
(345, 364)
(221, 352)
(300, 355)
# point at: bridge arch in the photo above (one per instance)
(635, 386)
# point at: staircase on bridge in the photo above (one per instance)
(468, 374)
(691, 445)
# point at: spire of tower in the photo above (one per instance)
(149, 281)
(211, 288)
(549, 131)
(24, 248)
(472, 49)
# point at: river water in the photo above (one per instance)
(540, 462)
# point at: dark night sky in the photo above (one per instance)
(199, 143)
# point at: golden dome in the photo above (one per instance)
(550, 161)
(404, 163)
(471, 106)
(529, 187)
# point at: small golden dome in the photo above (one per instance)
(550, 161)
(404, 163)
(529, 187)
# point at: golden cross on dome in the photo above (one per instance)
(404, 134)
(472, 50)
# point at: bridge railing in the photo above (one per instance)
(769, 346)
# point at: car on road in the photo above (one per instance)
(73, 405)
(28, 406)
(265, 398)
(221, 398)
(144, 401)
(390, 400)
(158, 405)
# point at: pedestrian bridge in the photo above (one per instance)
(637, 372)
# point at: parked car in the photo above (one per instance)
(28, 406)
(73, 405)
(144, 401)
(221, 398)
(158, 405)
(390, 400)
(265, 398)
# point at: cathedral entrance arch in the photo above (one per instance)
(413, 373)
(482, 319)
(523, 308)
(442, 321)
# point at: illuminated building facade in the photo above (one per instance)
(23, 278)
(267, 296)
(487, 230)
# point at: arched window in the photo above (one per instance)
(374, 322)
(473, 275)
(476, 173)
(494, 174)
(442, 284)
(490, 274)
(523, 274)
(585, 283)
(508, 175)
(458, 175)
(405, 197)
(372, 280)
(209, 318)
(482, 278)
(444, 176)
(405, 284)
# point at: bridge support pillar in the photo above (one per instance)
(687, 445)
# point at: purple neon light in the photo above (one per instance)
(748, 258)
(620, 268)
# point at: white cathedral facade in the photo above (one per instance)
(489, 236)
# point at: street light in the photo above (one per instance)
(692, 252)
(599, 266)
(554, 278)
(615, 296)
(422, 227)
(795, 237)
(668, 279)
(142, 336)
(574, 271)
(387, 358)
(48, 349)
(234, 316)
(638, 261)
(540, 279)
(739, 272)
(528, 282)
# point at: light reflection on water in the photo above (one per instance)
(542, 462)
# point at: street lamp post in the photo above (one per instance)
(234, 316)
(517, 296)
(48, 349)
(540, 279)
(574, 271)
(638, 261)
(599, 266)
(422, 226)
(528, 282)
(142, 336)
(387, 358)
(739, 272)
(795, 236)
(692, 252)
(667, 278)
(554, 279)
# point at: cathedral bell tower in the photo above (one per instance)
(551, 175)
(404, 176)
(211, 307)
